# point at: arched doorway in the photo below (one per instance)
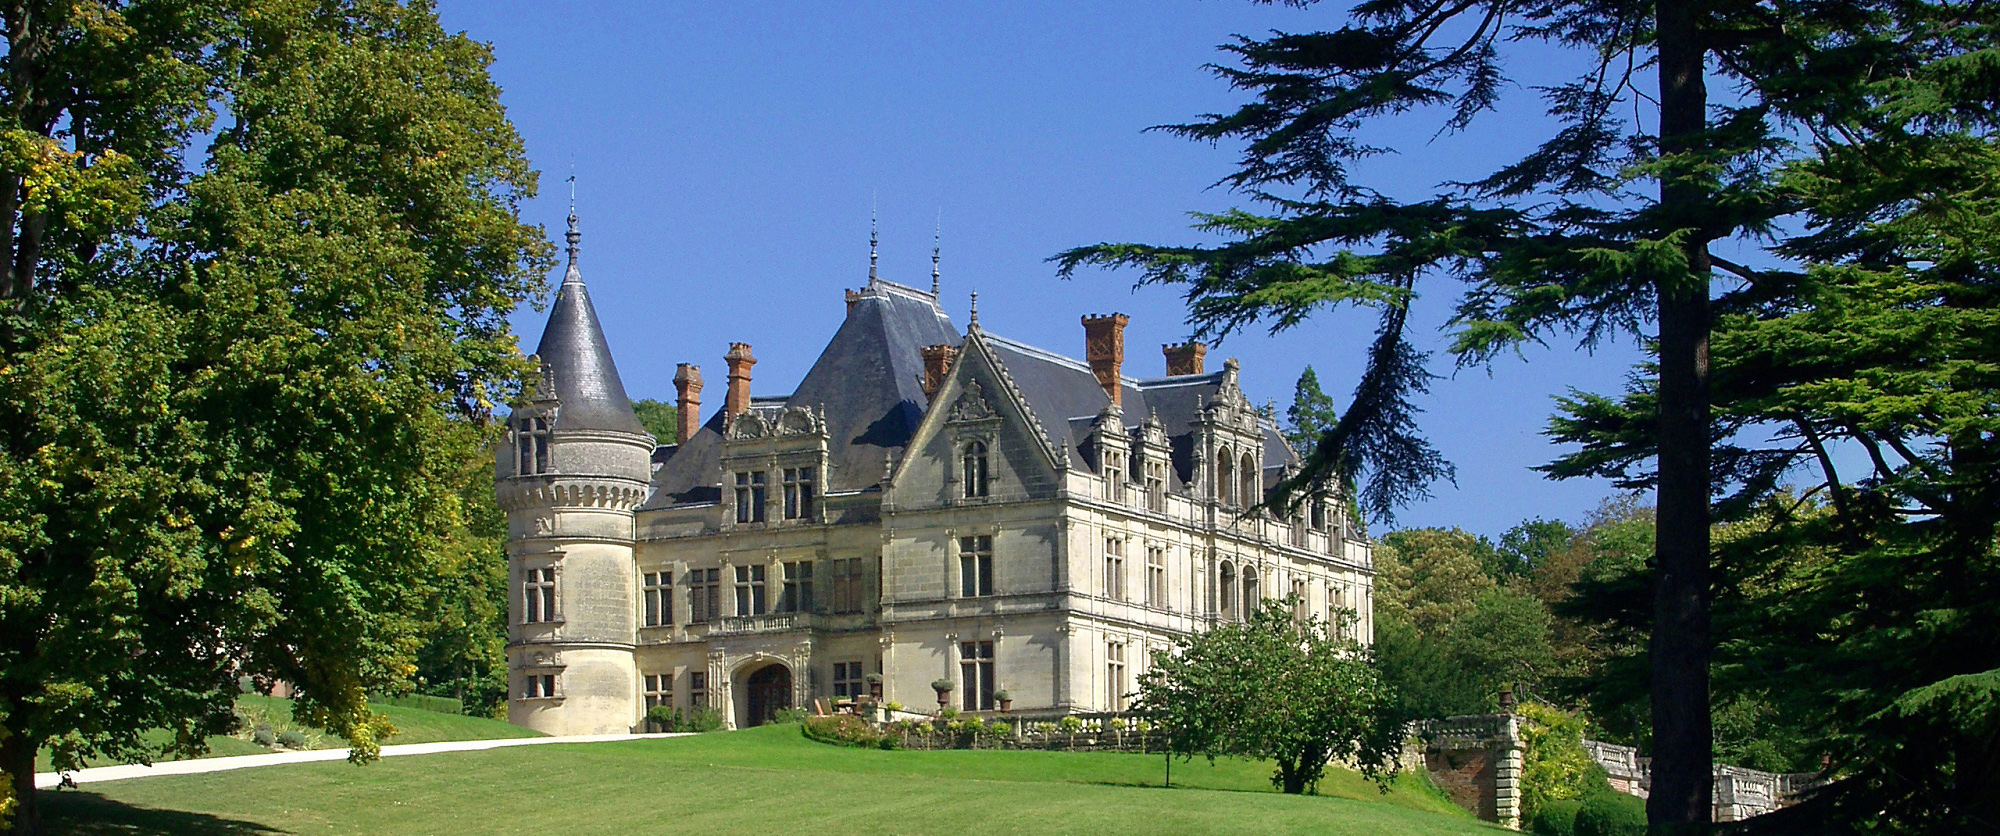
(767, 691)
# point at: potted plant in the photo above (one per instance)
(943, 688)
(874, 686)
(1005, 699)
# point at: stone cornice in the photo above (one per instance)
(609, 493)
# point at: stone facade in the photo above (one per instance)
(926, 505)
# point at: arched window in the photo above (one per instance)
(1250, 593)
(975, 468)
(1225, 477)
(1250, 495)
(1226, 584)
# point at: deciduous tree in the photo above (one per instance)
(256, 260)
(1276, 686)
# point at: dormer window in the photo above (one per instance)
(1114, 475)
(750, 489)
(798, 493)
(1156, 486)
(531, 446)
(973, 463)
(1225, 477)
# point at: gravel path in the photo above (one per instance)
(45, 780)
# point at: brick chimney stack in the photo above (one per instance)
(687, 379)
(1104, 349)
(1184, 358)
(737, 400)
(937, 363)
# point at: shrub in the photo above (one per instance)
(1000, 728)
(790, 715)
(292, 739)
(664, 718)
(1554, 764)
(893, 705)
(1070, 723)
(263, 735)
(703, 719)
(1611, 813)
(947, 713)
(1555, 818)
(442, 705)
(847, 730)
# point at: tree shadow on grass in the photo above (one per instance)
(74, 813)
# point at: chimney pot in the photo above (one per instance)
(937, 364)
(1104, 349)
(1185, 358)
(737, 400)
(687, 379)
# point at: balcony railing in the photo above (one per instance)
(777, 622)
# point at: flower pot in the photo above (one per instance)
(1006, 705)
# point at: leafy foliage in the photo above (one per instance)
(660, 418)
(241, 359)
(1555, 766)
(1448, 637)
(1275, 686)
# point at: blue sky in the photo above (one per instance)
(727, 156)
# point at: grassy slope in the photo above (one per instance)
(412, 726)
(769, 777)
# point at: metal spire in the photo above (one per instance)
(871, 240)
(973, 321)
(573, 236)
(937, 239)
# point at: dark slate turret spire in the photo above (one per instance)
(576, 361)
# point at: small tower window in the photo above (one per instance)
(974, 465)
(538, 596)
(531, 446)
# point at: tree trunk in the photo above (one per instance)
(1683, 739)
(17, 761)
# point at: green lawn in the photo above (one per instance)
(767, 780)
(412, 726)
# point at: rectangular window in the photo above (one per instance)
(750, 590)
(1156, 486)
(975, 668)
(1156, 577)
(1114, 675)
(798, 592)
(704, 594)
(798, 493)
(1114, 568)
(847, 581)
(697, 689)
(975, 566)
(538, 596)
(659, 689)
(531, 446)
(750, 497)
(538, 686)
(657, 592)
(847, 680)
(1299, 608)
(1114, 476)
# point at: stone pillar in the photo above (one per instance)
(1184, 358)
(1509, 761)
(687, 380)
(1104, 349)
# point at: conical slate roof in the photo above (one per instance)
(576, 361)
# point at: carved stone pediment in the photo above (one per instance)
(789, 421)
(972, 404)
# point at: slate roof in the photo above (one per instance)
(576, 359)
(868, 382)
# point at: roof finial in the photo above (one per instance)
(937, 239)
(871, 240)
(572, 236)
(973, 322)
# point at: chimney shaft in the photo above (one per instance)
(1104, 349)
(687, 379)
(1184, 358)
(937, 363)
(737, 400)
